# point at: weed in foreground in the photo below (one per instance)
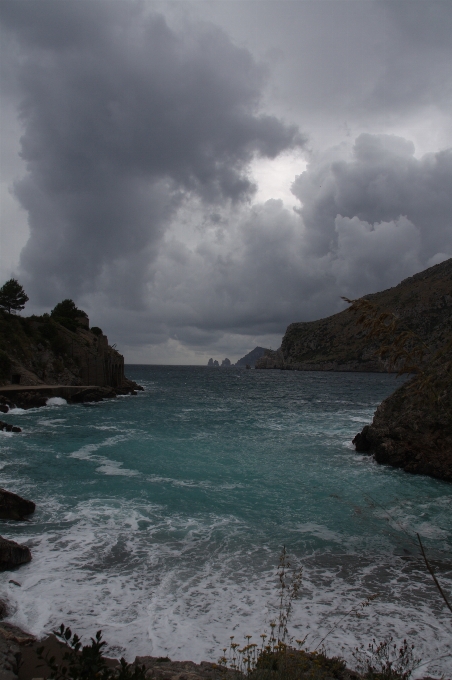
(385, 660)
(280, 657)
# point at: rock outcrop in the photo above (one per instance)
(13, 506)
(13, 554)
(7, 427)
(423, 303)
(43, 351)
(411, 428)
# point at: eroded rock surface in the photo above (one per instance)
(410, 431)
(13, 554)
(13, 506)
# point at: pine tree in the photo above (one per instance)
(12, 296)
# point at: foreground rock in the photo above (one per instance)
(13, 554)
(162, 668)
(411, 431)
(13, 506)
(7, 427)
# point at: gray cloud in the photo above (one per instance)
(365, 222)
(382, 182)
(124, 119)
(138, 132)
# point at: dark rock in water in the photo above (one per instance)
(8, 427)
(362, 445)
(28, 400)
(226, 362)
(248, 367)
(411, 431)
(92, 394)
(13, 506)
(4, 610)
(13, 554)
(210, 362)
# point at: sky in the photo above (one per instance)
(196, 175)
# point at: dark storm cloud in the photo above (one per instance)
(382, 182)
(124, 119)
(365, 223)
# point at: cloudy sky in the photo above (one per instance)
(197, 175)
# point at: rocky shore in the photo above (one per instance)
(412, 428)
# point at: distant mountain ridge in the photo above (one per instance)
(422, 302)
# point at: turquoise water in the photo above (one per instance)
(160, 517)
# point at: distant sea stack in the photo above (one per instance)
(422, 302)
(251, 358)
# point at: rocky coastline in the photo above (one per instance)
(423, 303)
(411, 431)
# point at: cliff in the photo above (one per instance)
(412, 428)
(423, 303)
(43, 351)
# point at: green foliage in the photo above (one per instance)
(67, 314)
(12, 296)
(87, 662)
(5, 365)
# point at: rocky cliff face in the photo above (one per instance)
(412, 429)
(422, 302)
(39, 350)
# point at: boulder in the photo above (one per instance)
(13, 506)
(411, 431)
(362, 444)
(8, 427)
(13, 554)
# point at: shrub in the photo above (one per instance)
(87, 662)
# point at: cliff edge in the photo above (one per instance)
(423, 304)
(42, 350)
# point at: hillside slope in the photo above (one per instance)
(423, 303)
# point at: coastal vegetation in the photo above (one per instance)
(12, 296)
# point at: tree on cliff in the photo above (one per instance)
(67, 310)
(12, 296)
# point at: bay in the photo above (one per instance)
(160, 517)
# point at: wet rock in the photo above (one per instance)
(90, 394)
(4, 610)
(7, 427)
(13, 506)
(28, 400)
(362, 444)
(411, 431)
(13, 554)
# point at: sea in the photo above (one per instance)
(161, 518)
